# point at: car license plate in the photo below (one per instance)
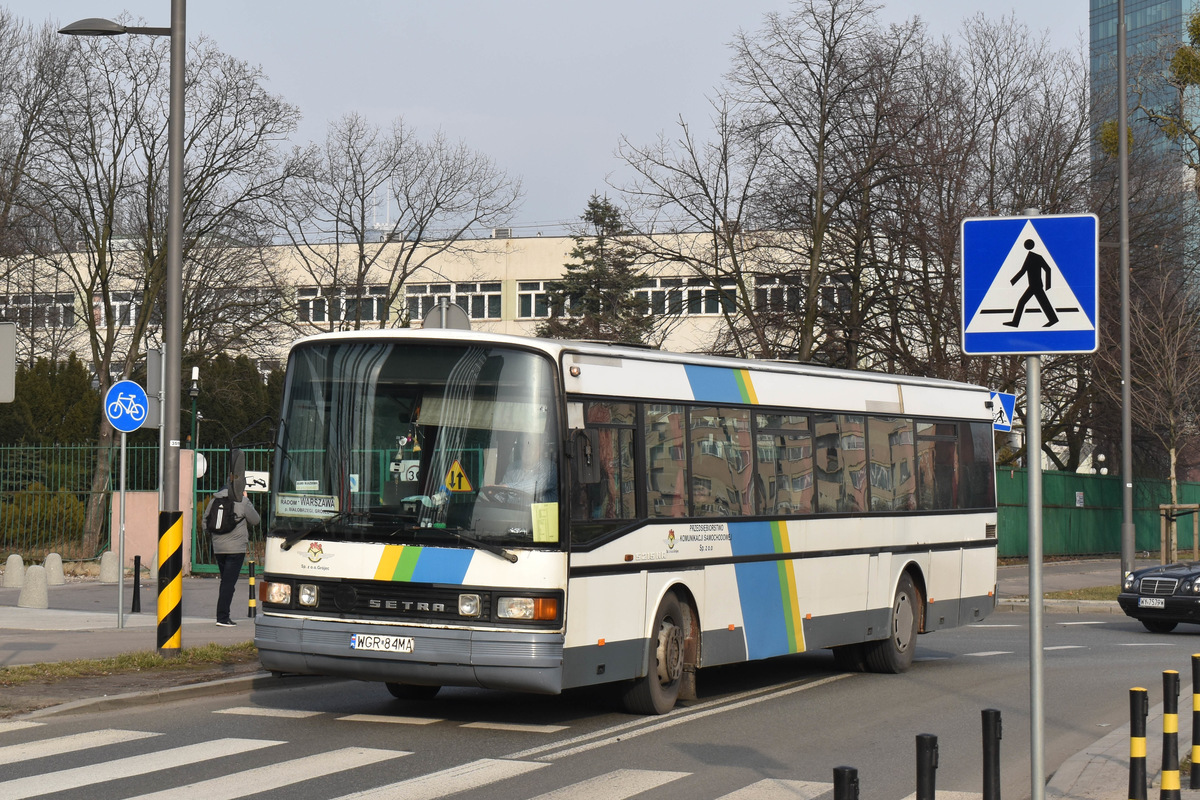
(1151, 602)
(383, 644)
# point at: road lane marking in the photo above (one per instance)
(68, 744)
(1145, 644)
(995, 625)
(61, 781)
(989, 653)
(5, 727)
(276, 776)
(255, 711)
(776, 788)
(462, 778)
(944, 795)
(515, 726)
(1091, 622)
(389, 719)
(616, 785)
(1066, 647)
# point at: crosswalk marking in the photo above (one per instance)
(462, 778)
(255, 711)
(513, 726)
(389, 719)
(61, 781)
(13, 753)
(616, 785)
(276, 776)
(777, 789)
(6, 726)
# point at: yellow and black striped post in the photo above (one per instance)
(1194, 772)
(1170, 755)
(252, 610)
(170, 583)
(1139, 707)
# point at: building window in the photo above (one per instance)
(39, 310)
(126, 307)
(342, 304)
(777, 293)
(533, 299)
(479, 300)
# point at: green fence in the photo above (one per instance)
(1081, 514)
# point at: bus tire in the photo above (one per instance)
(895, 653)
(412, 691)
(850, 657)
(657, 691)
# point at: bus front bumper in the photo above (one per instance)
(515, 661)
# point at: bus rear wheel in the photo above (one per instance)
(657, 691)
(895, 653)
(412, 691)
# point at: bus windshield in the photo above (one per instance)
(418, 443)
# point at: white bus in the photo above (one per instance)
(464, 509)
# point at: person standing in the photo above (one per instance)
(229, 549)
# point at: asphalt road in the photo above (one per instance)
(764, 730)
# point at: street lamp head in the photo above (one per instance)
(93, 26)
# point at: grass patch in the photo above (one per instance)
(208, 655)
(1091, 593)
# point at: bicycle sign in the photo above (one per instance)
(125, 406)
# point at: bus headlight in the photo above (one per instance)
(469, 605)
(532, 608)
(309, 596)
(278, 593)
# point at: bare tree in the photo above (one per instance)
(370, 207)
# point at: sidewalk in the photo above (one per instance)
(81, 621)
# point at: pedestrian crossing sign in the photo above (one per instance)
(1004, 405)
(1030, 285)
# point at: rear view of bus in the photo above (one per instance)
(415, 538)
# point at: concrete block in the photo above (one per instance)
(110, 570)
(34, 593)
(14, 572)
(55, 576)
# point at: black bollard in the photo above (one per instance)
(927, 764)
(1170, 752)
(845, 783)
(252, 609)
(991, 754)
(1194, 773)
(1139, 707)
(136, 608)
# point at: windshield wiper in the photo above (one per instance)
(457, 533)
(290, 540)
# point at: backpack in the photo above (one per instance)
(220, 517)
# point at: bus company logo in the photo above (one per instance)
(316, 552)
(671, 539)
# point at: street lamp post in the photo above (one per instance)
(170, 523)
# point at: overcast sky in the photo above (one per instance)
(544, 87)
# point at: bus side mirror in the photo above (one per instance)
(237, 471)
(585, 452)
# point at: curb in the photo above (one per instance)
(1062, 606)
(260, 681)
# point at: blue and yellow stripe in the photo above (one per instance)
(767, 590)
(408, 563)
(721, 385)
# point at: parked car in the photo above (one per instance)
(1162, 597)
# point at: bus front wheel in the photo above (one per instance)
(895, 653)
(657, 691)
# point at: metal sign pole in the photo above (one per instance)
(121, 545)
(1033, 454)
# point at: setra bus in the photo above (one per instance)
(465, 509)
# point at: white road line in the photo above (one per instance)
(5, 727)
(616, 785)
(989, 653)
(1093, 622)
(462, 778)
(515, 726)
(777, 789)
(1066, 647)
(255, 711)
(275, 776)
(389, 719)
(61, 781)
(995, 625)
(944, 795)
(68, 744)
(1145, 644)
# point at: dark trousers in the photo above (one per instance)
(230, 565)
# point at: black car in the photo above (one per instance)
(1162, 597)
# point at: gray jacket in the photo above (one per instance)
(237, 540)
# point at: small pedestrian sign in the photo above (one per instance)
(1030, 284)
(125, 406)
(1004, 405)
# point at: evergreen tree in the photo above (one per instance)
(595, 298)
(54, 403)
